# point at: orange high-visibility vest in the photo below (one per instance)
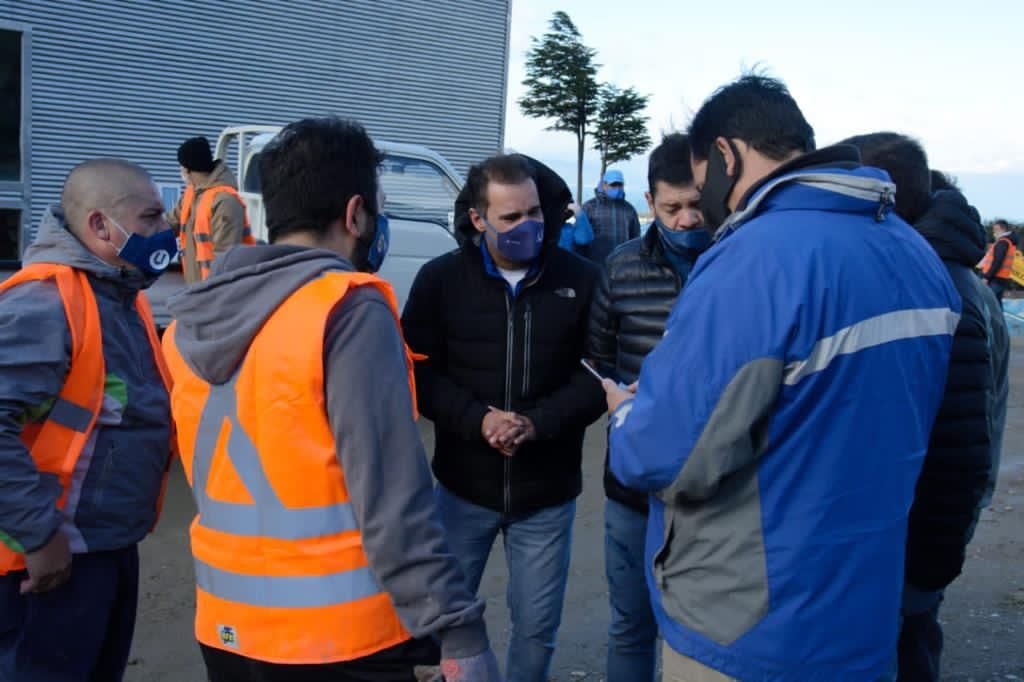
(201, 231)
(1005, 270)
(56, 443)
(280, 568)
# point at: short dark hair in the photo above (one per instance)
(999, 222)
(904, 159)
(943, 181)
(311, 170)
(756, 109)
(505, 169)
(670, 162)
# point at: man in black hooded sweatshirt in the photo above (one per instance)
(502, 321)
(957, 465)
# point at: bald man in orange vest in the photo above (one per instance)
(85, 428)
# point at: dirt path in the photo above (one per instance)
(983, 614)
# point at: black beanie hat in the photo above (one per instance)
(194, 154)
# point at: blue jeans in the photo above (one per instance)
(633, 633)
(79, 632)
(920, 643)
(537, 549)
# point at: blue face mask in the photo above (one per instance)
(684, 242)
(614, 192)
(521, 244)
(378, 248)
(150, 254)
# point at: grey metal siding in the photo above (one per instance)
(133, 78)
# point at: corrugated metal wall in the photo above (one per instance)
(133, 78)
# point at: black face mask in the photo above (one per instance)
(714, 197)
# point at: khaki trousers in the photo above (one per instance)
(678, 668)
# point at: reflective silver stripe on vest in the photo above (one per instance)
(874, 331)
(268, 517)
(70, 415)
(286, 592)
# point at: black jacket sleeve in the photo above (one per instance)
(603, 326)
(440, 399)
(998, 256)
(956, 468)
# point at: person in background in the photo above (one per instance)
(639, 285)
(614, 219)
(997, 265)
(958, 463)
(210, 217)
(577, 233)
(1000, 336)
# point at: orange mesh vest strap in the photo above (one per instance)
(1005, 270)
(187, 199)
(280, 568)
(56, 443)
(201, 229)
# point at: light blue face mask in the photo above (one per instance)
(684, 242)
(614, 192)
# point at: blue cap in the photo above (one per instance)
(613, 176)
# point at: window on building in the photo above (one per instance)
(10, 106)
(10, 231)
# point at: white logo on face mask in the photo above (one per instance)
(159, 260)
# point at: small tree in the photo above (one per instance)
(621, 129)
(561, 84)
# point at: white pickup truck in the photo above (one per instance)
(420, 188)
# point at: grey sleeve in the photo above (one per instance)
(389, 482)
(35, 354)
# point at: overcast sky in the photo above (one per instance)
(950, 77)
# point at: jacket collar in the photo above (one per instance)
(827, 170)
(651, 246)
(491, 269)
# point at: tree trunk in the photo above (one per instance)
(580, 139)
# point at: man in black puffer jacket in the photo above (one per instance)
(639, 286)
(957, 466)
(502, 320)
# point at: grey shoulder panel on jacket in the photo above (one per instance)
(389, 482)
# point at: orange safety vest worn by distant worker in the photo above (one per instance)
(280, 568)
(1006, 267)
(201, 232)
(56, 443)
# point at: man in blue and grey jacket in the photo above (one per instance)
(781, 423)
(70, 613)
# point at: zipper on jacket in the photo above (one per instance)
(509, 342)
(527, 340)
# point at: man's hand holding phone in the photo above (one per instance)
(616, 393)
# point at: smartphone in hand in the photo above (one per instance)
(590, 368)
(597, 375)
